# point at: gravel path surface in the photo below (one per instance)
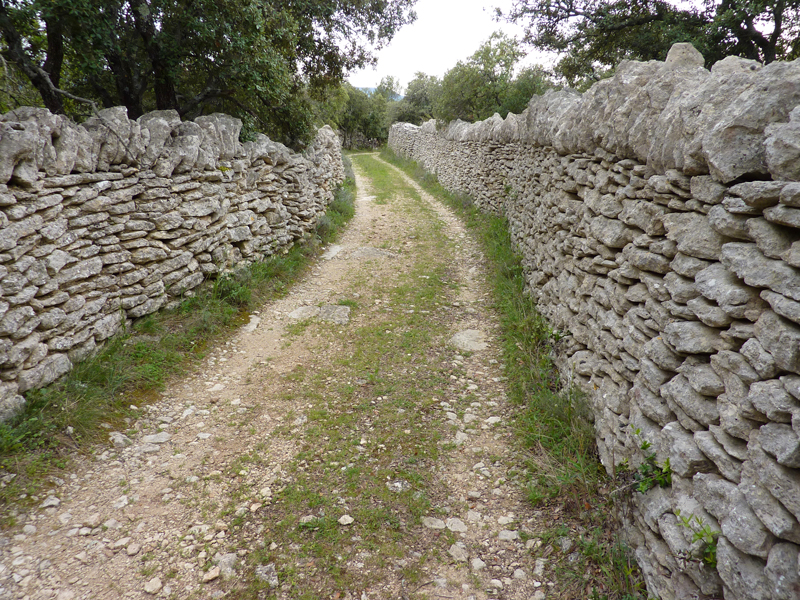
(189, 502)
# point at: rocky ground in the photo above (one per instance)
(353, 440)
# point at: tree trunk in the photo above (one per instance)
(163, 85)
(126, 88)
(38, 77)
(55, 50)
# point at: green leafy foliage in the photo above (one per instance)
(473, 90)
(703, 533)
(417, 104)
(262, 60)
(594, 35)
(650, 473)
(363, 121)
(485, 84)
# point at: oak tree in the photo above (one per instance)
(262, 60)
(594, 35)
(485, 83)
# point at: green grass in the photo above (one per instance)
(385, 183)
(348, 302)
(134, 365)
(555, 427)
(375, 386)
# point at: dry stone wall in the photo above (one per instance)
(658, 216)
(110, 220)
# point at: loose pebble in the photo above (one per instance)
(433, 523)
(153, 586)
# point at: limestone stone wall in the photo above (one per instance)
(658, 216)
(113, 219)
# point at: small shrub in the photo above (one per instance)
(701, 532)
(651, 474)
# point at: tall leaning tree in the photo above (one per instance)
(594, 35)
(261, 60)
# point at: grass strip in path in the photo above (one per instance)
(369, 448)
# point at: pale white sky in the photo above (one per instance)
(445, 32)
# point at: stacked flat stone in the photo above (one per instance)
(658, 217)
(107, 221)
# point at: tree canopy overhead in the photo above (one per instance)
(259, 59)
(600, 33)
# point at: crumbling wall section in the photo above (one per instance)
(658, 217)
(110, 220)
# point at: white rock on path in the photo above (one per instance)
(227, 564)
(459, 552)
(304, 312)
(252, 325)
(368, 252)
(507, 536)
(50, 502)
(121, 543)
(398, 486)
(153, 586)
(346, 520)
(538, 569)
(158, 438)
(331, 252)
(340, 315)
(469, 340)
(120, 440)
(147, 449)
(456, 525)
(267, 574)
(433, 523)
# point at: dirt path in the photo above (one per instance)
(338, 446)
